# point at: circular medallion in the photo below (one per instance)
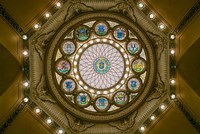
(68, 48)
(101, 104)
(83, 99)
(96, 61)
(68, 85)
(120, 33)
(138, 65)
(133, 47)
(62, 66)
(134, 84)
(82, 33)
(120, 98)
(101, 66)
(101, 29)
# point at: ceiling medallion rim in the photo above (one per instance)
(151, 76)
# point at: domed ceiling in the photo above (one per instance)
(107, 67)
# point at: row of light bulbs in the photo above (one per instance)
(26, 84)
(161, 26)
(151, 15)
(49, 121)
(152, 117)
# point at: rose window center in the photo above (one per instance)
(101, 66)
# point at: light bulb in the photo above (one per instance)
(26, 99)
(24, 37)
(151, 16)
(49, 121)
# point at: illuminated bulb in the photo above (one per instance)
(58, 4)
(118, 86)
(80, 50)
(111, 42)
(75, 63)
(25, 53)
(125, 56)
(151, 16)
(122, 50)
(37, 110)
(104, 40)
(36, 26)
(24, 37)
(26, 99)
(47, 15)
(122, 81)
(141, 5)
(126, 76)
(77, 77)
(172, 51)
(173, 96)
(91, 42)
(86, 87)
(80, 82)
(152, 117)
(172, 36)
(60, 131)
(127, 69)
(142, 129)
(112, 90)
(49, 121)
(85, 45)
(98, 40)
(162, 26)
(105, 92)
(162, 106)
(98, 92)
(75, 70)
(26, 84)
(92, 91)
(172, 81)
(77, 56)
(127, 62)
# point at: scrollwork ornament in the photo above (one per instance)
(41, 91)
(76, 125)
(159, 89)
(160, 44)
(41, 42)
(125, 7)
(126, 124)
(76, 7)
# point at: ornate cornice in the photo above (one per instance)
(10, 20)
(188, 17)
(192, 120)
(10, 119)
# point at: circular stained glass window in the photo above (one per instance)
(68, 85)
(82, 33)
(139, 65)
(68, 47)
(120, 33)
(83, 99)
(134, 84)
(101, 67)
(62, 66)
(120, 98)
(101, 104)
(101, 28)
(134, 47)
